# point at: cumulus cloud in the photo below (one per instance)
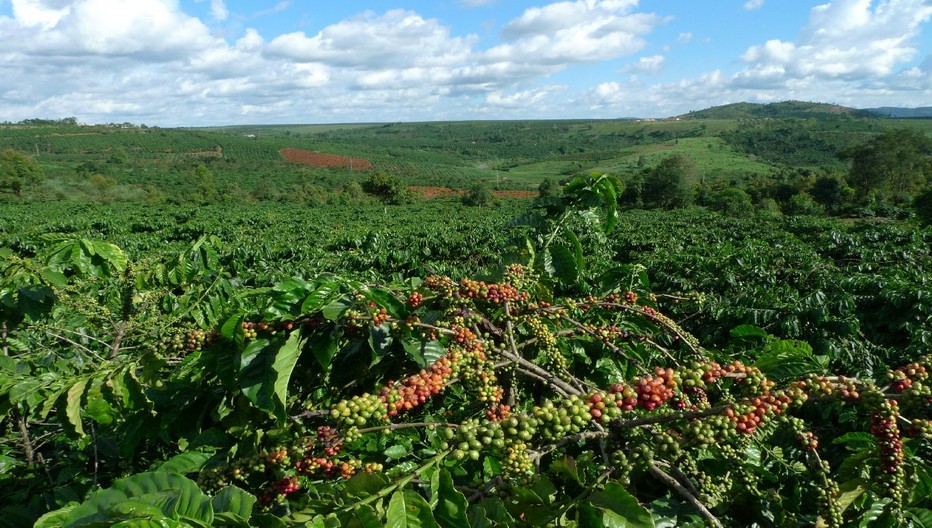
(846, 39)
(218, 10)
(146, 28)
(398, 38)
(580, 31)
(652, 64)
(751, 5)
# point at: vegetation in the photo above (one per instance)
(262, 343)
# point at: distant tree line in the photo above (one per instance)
(892, 171)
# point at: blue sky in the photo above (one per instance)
(214, 62)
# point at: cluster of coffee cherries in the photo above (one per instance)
(567, 417)
(652, 392)
(277, 492)
(251, 329)
(475, 369)
(508, 437)
(415, 299)
(547, 343)
(179, 344)
(912, 382)
(319, 457)
(751, 413)
(890, 449)
(491, 292)
(609, 333)
(826, 490)
(359, 410)
(416, 389)
(520, 276)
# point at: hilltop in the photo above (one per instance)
(779, 110)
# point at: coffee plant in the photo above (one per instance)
(182, 391)
(450, 402)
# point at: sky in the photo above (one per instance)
(224, 62)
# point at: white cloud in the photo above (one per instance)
(396, 39)
(847, 39)
(751, 5)
(652, 64)
(684, 37)
(146, 28)
(571, 32)
(218, 10)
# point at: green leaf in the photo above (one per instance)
(874, 511)
(451, 507)
(112, 254)
(386, 299)
(185, 463)
(563, 263)
(397, 451)
(324, 347)
(567, 466)
(380, 339)
(321, 296)
(150, 523)
(783, 358)
(186, 499)
(746, 331)
(366, 517)
(54, 519)
(577, 250)
(620, 508)
(422, 351)
(73, 405)
(234, 500)
(856, 440)
(334, 310)
(232, 326)
(849, 491)
(407, 509)
(266, 370)
(98, 408)
(920, 516)
(364, 484)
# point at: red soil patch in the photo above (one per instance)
(437, 192)
(321, 159)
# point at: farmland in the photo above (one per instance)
(328, 342)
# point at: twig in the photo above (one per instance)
(678, 473)
(615, 349)
(690, 498)
(27, 442)
(543, 373)
(411, 425)
(117, 339)
(485, 489)
(76, 344)
(96, 458)
(384, 492)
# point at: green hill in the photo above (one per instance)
(780, 110)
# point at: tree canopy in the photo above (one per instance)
(18, 171)
(897, 162)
